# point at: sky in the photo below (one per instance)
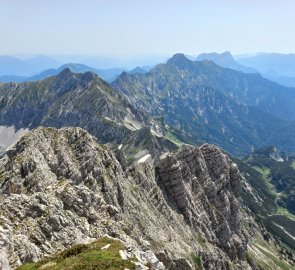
(137, 27)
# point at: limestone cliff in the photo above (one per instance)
(60, 187)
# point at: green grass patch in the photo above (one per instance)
(197, 262)
(253, 260)
(171, 137)
(279, 263)
(265, 172)
(283, 211)
(85, 257)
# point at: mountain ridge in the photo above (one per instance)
(107, 74)
(185, 92)
(149, 180)
(76, 149)
(225, 60)
(62, 188)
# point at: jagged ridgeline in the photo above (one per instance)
(70, 99)
(208, 103)
(83, 100)
(191, 101)
(60, 188)
(122, 171)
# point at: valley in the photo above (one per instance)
(130, 161)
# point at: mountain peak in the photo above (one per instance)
(214, 56)
(137, 70)
(227, 53)
(65, 73)
(90, 75)
(225, 60)
(179, 60)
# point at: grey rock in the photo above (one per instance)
(4, 263)
(60, 187)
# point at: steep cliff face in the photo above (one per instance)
(205, 185)
(60, 187)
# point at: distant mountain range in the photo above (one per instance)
(273, 66)
(281, 64)
(276, 67)
(107, 74)
(198, 101)
(14, 66)
(145, 117)
(225, 60)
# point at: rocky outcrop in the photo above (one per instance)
(145, 141)
(204, 185)
(60, 187)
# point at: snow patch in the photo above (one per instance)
(276, 156)
(132, 124)
(144, 158)
(164, 155)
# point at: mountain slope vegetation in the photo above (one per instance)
(209, 103)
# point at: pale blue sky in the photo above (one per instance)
(126, 27)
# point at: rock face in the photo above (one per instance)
(70, 99)
(212, 104)
(205, 185)
(60, 187)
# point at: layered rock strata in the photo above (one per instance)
(60, 187)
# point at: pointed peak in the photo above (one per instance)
(179, 60)
(178, 57)
(89, 75)
(66, 72)
(137, 70)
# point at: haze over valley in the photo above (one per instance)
(147, 135)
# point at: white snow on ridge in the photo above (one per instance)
(144, 158)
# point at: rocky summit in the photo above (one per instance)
(59, 187)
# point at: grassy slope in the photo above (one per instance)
(266, 257)
(278, 220)
(86, 257)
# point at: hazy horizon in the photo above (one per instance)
(129, 28)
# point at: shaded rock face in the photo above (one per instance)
(204, 185)
(70, 99)
(60, 187)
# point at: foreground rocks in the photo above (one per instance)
(60, 187)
